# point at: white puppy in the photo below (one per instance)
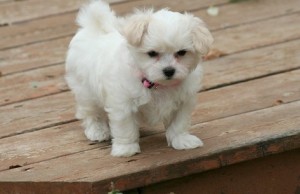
(141, 69)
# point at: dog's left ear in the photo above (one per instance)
(201, 37)
(136, 26)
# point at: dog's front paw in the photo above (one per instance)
(96, 132)
(125, 150)
(186, 141)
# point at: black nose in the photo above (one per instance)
(169, 72)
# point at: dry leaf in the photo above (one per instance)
(213, 54)
(278, 102)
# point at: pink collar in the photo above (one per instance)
(148, 84)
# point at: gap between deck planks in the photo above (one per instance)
(21, 11)
(212, 105)
(64, 25)
(55, 109)
(220, 72)
(249, 136)
(233, 40)
(8, 101)
(251, 96)
(50, 124)
(14, 12)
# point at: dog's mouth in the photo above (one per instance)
(160, 84)
(148, 84)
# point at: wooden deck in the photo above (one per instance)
(249, 107)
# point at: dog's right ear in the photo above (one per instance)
(202, 38)
(135, 27)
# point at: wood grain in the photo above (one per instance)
(224, 71)
(234, 14)
(3, 1)
(277, 174)
(174, 5)
(249, 107)
(32, 115)
(19, 11)
(45, 188)
(47, 144)
(34, 56)
(268, 32)
(32, 84)
(228, 40)
(212, 105)
(59, 108)
(251, 64)
(248, 96)
(250, 135)
(38, 30)
(64, 25)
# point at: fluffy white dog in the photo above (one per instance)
(141, 69)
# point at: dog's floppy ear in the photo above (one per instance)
(135, 27)
(201, 37)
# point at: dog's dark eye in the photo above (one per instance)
(181, 53)
(153, 54)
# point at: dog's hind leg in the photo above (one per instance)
(95, 122)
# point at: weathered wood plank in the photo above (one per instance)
(38, 30)
(249, 96)
(2, 1)
(230, 134)
(45, 188)
(18, 11)
(248, 11)
(33, 56)
(33, 147)
(63, 25)
(32, 84)
(224, 71)
(5, 1)
(252, 64)
(266, 32)
(277, 174)
(234, 139)
(231, 40)
(175, 5)
(55, 109)
(32, 115)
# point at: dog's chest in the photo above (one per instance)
(159, 108)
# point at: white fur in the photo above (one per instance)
(107, 60)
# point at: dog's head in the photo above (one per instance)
(166, 45)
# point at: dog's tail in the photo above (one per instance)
(98, 15)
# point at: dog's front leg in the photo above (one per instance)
(125, 133)
(177, 128)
